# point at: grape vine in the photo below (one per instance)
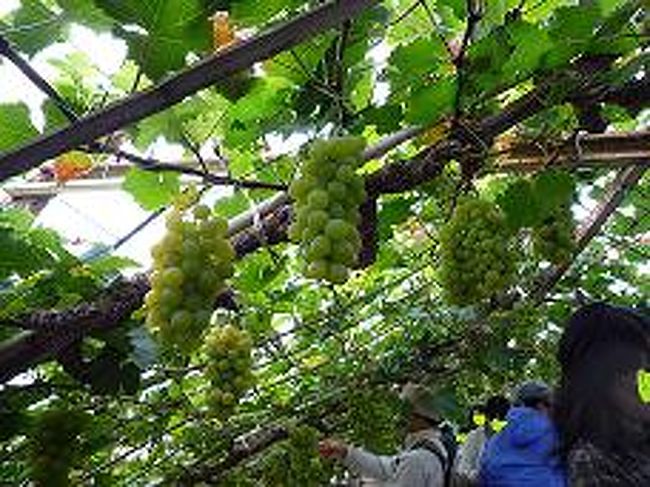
(327, 196)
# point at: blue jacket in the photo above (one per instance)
(523, 453)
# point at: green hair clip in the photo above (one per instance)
(643, 385)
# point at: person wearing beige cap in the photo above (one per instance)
(422, 461)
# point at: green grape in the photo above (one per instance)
(172, 277)
(477, 259)
(317, 269)
(171, 296)
(353, 216)
(319, 248)
(181, 319)
(295, 232)
(337, 273)
(347, 147)
(214, 228)
(344, 253)
(299, 189)
(174, 223)
(209, 280)
(338, 229)
(345, 174)
(158, 252)
(191, 266)
(337, 191)
(308, 234)
(318, 199)
(336, 210)
(222, 250)
(201, 212)
(317, 220)
(302, 216)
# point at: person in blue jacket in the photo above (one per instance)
(525, 452)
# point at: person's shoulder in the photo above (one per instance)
(477, 434)
(421, 460)
(586, 464)
(584, 451)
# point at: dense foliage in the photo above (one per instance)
(457, 246)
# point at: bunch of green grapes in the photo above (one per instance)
(296, 461)
(327, 196)
(553, 240)
(477, 259)
(372, 419)
(228, 350)
(55, 445)
(190, 266)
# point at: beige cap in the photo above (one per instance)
(422, 400)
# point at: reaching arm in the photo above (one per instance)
(368, 464)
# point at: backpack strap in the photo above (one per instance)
(435, 449)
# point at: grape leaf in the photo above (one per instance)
(392, 212)
(519, 204)
(248, 116)
(385, 118)
(16, 218)
(573, 29)
(431, 102)
(151, 190)
(531, 43)
(85, 12)
(110, 264)
(528, 203)
(253, 12)
(299, 64)
(15, 125)
(552, 188)
(34, 27)
(144, 350)
(231, 205)
(410, 63)
(173, 28)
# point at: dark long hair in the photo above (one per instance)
(600, 353)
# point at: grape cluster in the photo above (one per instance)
(372, 418)
(476, 256)
(228, 350)
(55, 445)
(553, 240)
(190, 266)
(327, 196)
(296, 461)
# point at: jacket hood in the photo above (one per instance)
(527, 425)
